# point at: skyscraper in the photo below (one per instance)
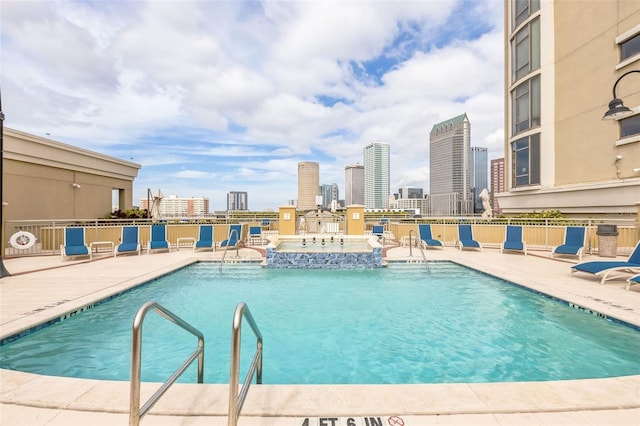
(237, 201)
(308, 185)
(376, 176)
(479, 175)
(497, 182)
(354, 184)
(450, 183)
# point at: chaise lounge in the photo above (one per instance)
(514, 241)
(611, 269)
(426, 238)
(574, 242)
(465, 238)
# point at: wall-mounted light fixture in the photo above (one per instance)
(617, 110)
(76, 185)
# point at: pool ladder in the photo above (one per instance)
(424, 256)
(233, 231)
(236, 398)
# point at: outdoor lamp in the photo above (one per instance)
(617, 109)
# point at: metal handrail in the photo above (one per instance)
(236, 400)
(233, 231)
(135, 411)
(424, 256)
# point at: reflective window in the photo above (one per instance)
(630, 47)
(525, 159)
(630, 126)
(522, 9)
(526, 105)
(525, 48)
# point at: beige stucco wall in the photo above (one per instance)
(580, 174)
(38, 174)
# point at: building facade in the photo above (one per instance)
(377, 175)
(479, 175)
(45, 179)
(330, 195)
(449, 159)
(174, 206)
(406, 192)
(308, 185)
(354, 184)
(560, 73)
(497, 182)
(237, 200)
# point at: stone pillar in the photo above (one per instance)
(355, 220)
(287, 220)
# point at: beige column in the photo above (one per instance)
(638, 221)
(287, 220)
(355, 219)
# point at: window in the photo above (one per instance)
(522, 9)
(630, 47)
(630, 126)
(526, 106)
(525, 49)
(525, 158)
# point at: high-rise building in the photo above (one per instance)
(376, 176)
(354, 184)
(497, 182)
(450, 183)
(406, 192)
(560, 73)
(174, 206)
(479, 175)
(237, 201)
(308, 185)
(330, 195)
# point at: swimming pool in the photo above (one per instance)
(399, 324)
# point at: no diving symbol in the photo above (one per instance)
(395, 421)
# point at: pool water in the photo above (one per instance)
(399, 324)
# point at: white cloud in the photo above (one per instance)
(212, 97)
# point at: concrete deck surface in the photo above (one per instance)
(42, 288)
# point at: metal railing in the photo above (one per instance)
(135, 411)
(419, 245)
(237, 399)
(233, 231)
(540, 234)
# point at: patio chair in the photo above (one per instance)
(426, 239)
(158, 240)
(631, 281)
(465, 238)
(574, 242)
(255, 232)
(129, 241)
(234, 238)
(514, 241)
(611, 269)
(378, 231)
(205, 238)
(74, 243)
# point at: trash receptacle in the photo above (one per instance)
(607, 240)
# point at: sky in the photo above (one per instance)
(217, 96)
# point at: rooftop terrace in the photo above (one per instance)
(44, 287)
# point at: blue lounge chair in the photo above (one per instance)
(574, 242)
(234, 238)
(465, 238)
(631, 281)
(255, 233)
(611, 269)
(158, 240)
(205, 238)
(514, 241)
(378, 231)
(74, 243)
(129, 242)
(426, 238)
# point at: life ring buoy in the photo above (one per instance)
(22, 240)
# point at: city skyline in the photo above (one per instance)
(231, 96)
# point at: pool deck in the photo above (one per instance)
(43, 288)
